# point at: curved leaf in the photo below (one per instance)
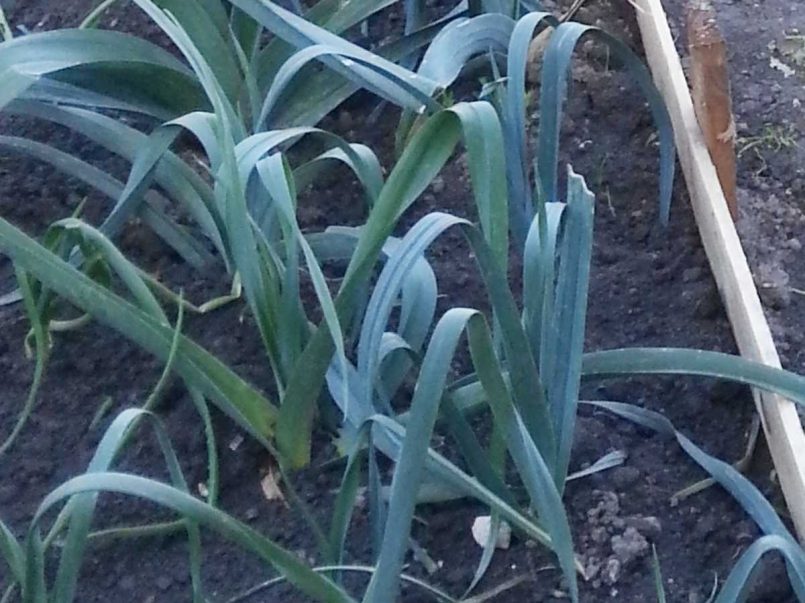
(108, 62)
(555, 69)
(462, 40)
(737, 587)
(514, 120)
(199, 368)
(681, 361)
(299, 574)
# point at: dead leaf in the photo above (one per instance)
(271, 488)
(777, 64)
(236, 442)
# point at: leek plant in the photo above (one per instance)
(248, 213)
(516, 380)
(260, 58)
(247, 102)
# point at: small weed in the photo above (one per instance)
(772, 138)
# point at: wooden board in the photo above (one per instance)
(780, 420)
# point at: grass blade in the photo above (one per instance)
(736, 484)
(207, 25)
(384, 83)
(411, 462)
(175, 177)
(532, 466)
(181, 241)
(656, 570)
(378, 311)
(86, 236)
(539, 279)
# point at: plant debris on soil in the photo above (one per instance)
(649, 286)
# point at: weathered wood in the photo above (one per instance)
(710, 89)
(780, 420)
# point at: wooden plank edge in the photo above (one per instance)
(728, 263)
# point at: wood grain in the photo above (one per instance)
(710, 89)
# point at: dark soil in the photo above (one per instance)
(650, 287)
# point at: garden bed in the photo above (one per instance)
(649, 286)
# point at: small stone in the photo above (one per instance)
(648, 525)
(728, 392)
(591, 569)
(599, 535)
(126, 583)
(164, 583)
(608, 254)
(612, 571)
(794, 244)
(630, 546)
(692, 274)
(708, 305)
(606, 510)
(437, 185)
(705, 526)
(481, 528)
(8, 493)
(252, 513)
(773, 286)
(625, 477)
(345, 121)
(695, 596)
